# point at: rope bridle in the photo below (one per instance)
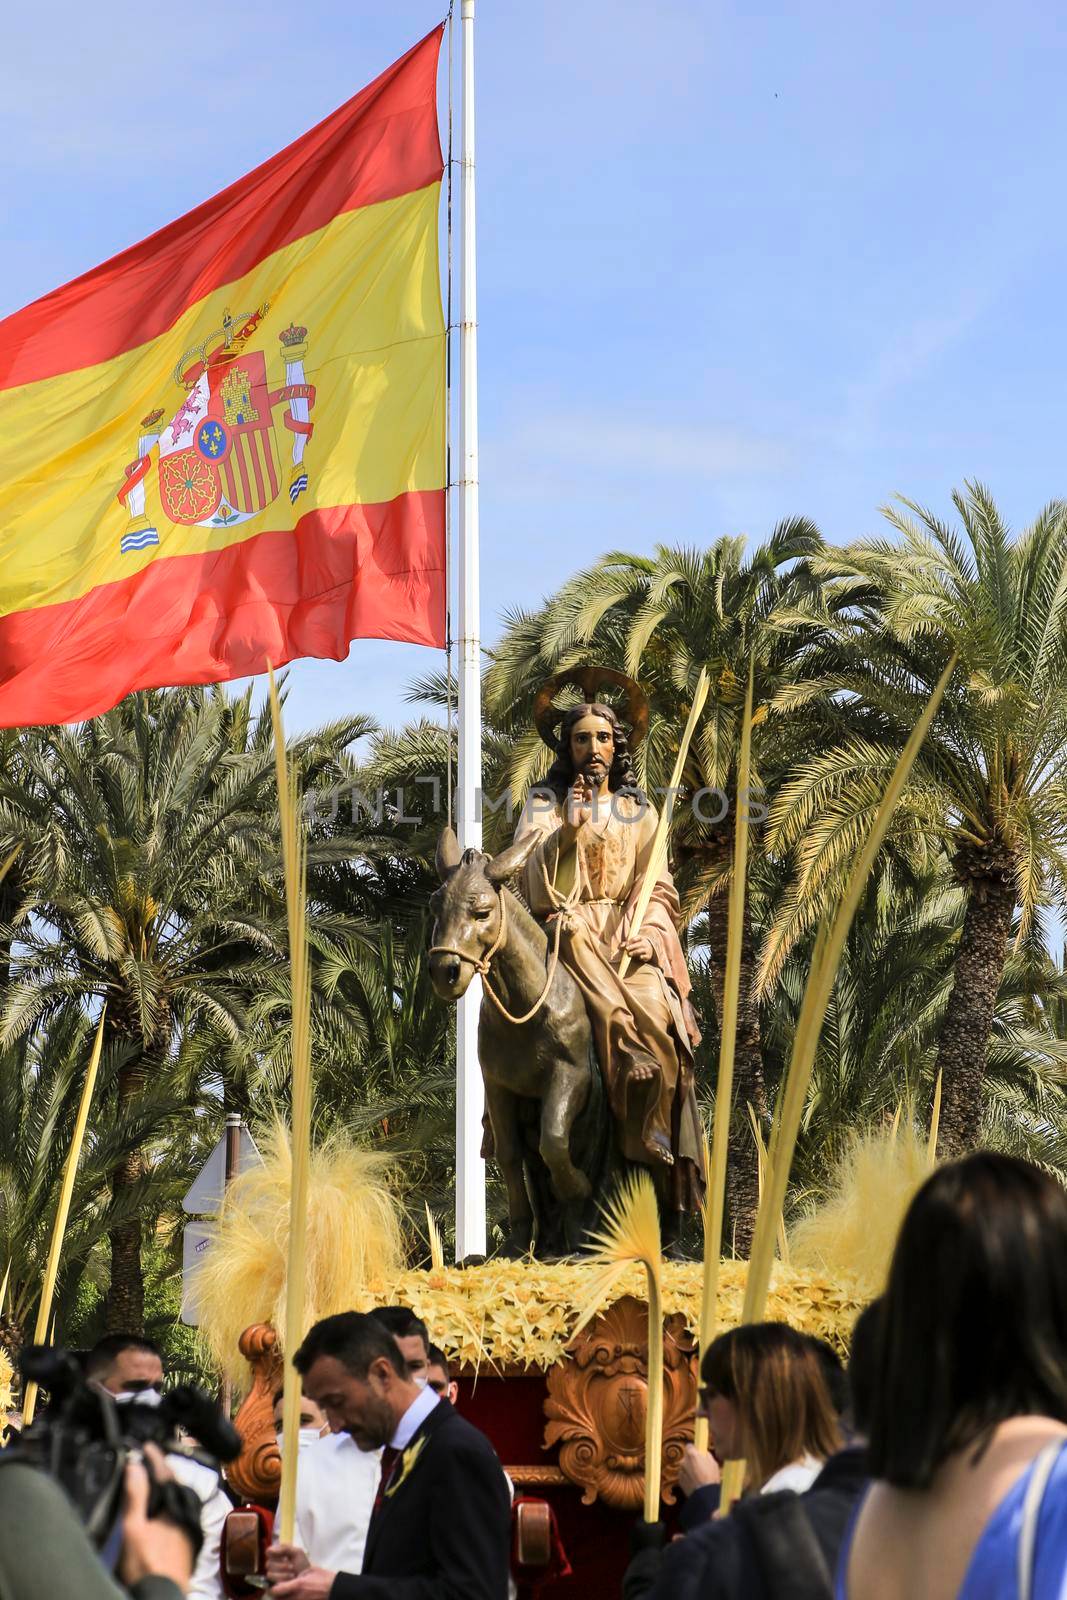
(482, 964)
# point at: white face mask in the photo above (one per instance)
(305, 1436)
(420, 1378)
(139, 1397)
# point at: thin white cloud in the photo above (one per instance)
(592, 440)
(913, 349)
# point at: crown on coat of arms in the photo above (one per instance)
(293, 335)
(153, 419)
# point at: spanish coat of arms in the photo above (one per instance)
(218, 461)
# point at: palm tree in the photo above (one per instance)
(661, 619)
(41, 1079)
(879, 1045)
(389, 1078)
(150, 841)
(990, 785)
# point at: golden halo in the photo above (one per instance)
(589, 679)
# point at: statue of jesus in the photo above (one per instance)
(595, 830)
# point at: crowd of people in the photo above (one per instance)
(935, 1467)
(942, 1473)
(377, 1380)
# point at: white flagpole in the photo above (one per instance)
(470, 1097)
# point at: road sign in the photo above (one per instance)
(195, 1245)
(205, 1196)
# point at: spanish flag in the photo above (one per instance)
(225, 446)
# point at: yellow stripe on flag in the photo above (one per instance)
(366, 287)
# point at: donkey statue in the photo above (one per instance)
(549, 1124)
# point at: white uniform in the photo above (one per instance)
(215, 1506)
(336, 1483)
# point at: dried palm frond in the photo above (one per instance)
(437, 1249)
(825, 960)
(631, 1234)
(763, 1162)
(294, 857)
(355, 1245)
(507, 1315)
(935, 1125)
(715, 1197)
(42, 1333)
(792, 1096)
(658, 855)
(850, 1236)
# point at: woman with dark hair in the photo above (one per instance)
(969, 1420)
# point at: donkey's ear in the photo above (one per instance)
(512, 860)
(448, 853)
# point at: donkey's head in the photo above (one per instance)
(466, 909)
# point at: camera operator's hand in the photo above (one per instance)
(152, 1546)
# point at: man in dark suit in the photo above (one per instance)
(440, 1528)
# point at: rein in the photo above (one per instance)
(481, 966)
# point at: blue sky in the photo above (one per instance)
(735, 263)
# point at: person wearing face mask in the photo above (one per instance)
(439, 1376)
(335, 1487)
(131, 1368)
(412, 1339)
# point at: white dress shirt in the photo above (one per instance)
(336, 1483)
(414, 1417)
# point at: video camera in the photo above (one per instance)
(84, 1440)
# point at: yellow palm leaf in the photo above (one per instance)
(631, 1233)
(437, 1249)
(294, 856)
(715, 1198)
(827, 954)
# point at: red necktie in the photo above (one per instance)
(390, 1457)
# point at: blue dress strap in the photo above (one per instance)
(1050, 1550)
(841, 1575)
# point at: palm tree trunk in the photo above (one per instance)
(10, 897)
(742, 1172)
(124, 1306)
(964, 1042)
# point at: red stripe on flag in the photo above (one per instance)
(268, 462)
(255, 449)
(244, 448)
(375, 572)
(382, 143)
